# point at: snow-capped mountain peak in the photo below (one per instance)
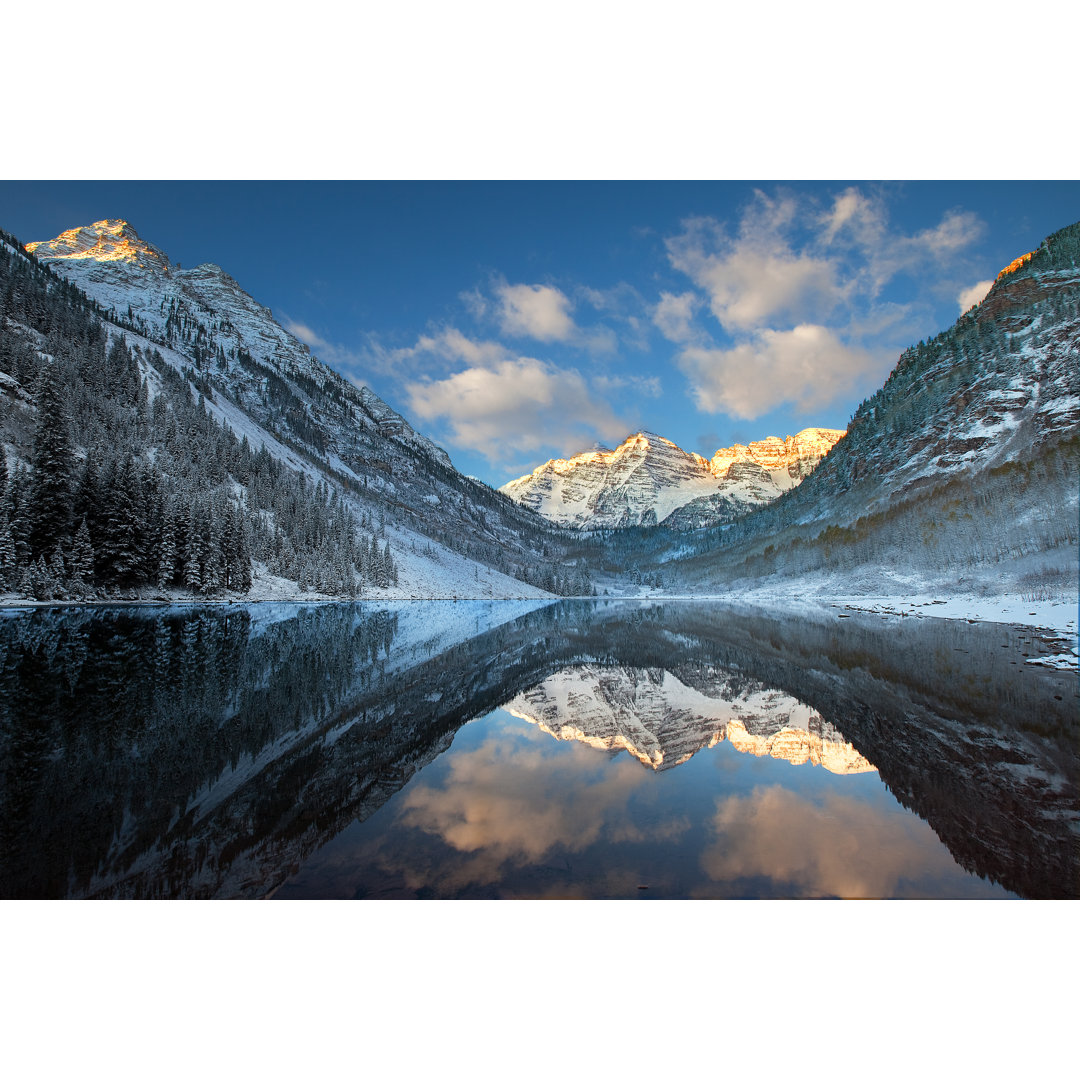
(110, 241)
(647, 479)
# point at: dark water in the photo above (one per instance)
(605, 749)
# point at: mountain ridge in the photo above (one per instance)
(961, 472)
(648, 479)
(450, 534)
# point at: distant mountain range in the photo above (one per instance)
(647, 479)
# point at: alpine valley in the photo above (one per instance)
(263, 638)
(165, 436)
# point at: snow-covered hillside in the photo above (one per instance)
(648, 479)
(204, 313)
(961, 473)
(450, 535)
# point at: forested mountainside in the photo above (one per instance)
(648, 479)
(180, 440)
(963, 468)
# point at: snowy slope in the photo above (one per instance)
(450, 535)
(647, 479)
(206, 308)
(961, 474)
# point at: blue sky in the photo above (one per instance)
(515, 321)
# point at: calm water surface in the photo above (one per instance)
(473, 750)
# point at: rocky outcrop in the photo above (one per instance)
(797, 455)
(112, 240)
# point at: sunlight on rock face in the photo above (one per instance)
(840, 847)
(1015, 265)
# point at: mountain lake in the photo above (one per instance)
(609, 749)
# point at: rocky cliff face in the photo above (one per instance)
(663, 722)
(648, 479)
(112, 240)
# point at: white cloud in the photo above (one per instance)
(956, 230)
(673, 316)
(791, 261)
(795, 287)
(514, 406)
(540, 312)
(974, 295)
(854, 219)
(808, 366)
(858, 224)
(451, 344)
(757, 278)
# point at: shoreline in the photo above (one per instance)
(1058, 617)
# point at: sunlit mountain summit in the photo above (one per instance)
(648, 479)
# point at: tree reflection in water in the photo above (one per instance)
(212, 751)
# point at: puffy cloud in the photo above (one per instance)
(452, 345)
(514, 405)
(842, 847)
(789, 260)
(541, 312)
(974, 295)
(795, 286)
(808, 365)
(673, 316)
(758, 277)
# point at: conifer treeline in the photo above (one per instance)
(128, 482)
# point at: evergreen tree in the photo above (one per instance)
(118, 552)
(166, 569)
(81, 561)
(53, 465)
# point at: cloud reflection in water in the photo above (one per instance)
(841, 846)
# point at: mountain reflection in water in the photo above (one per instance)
(663, 722)
(244, 751)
